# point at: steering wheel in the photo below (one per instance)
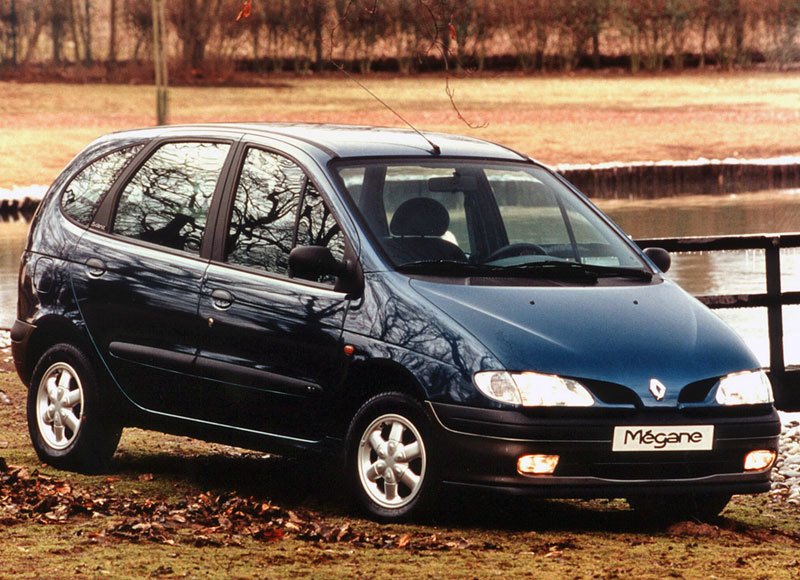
(518, 249)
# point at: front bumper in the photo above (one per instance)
(481, 448)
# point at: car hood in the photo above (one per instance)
(626, 335)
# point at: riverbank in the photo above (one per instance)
(663, 179)
(21, 199)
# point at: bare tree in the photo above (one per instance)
(578, 22)
(529, 25)
(780, 20)
(680, 14)
(9, 33)
(194, 22)
(138, 15)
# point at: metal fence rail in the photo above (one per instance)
(785, 380)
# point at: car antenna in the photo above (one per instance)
(435, 149)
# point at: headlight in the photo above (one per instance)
(531, 389)
(747, 388)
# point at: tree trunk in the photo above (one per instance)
(14, 33)
(73, 29)
(87, 31)
(198, 54)
(57, 31)
(738, 32)
(112, 38)
(704, 41)
(33, 40)
(677, 50)
(319, 25)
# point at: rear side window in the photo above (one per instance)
(167, 200)
(84, 192)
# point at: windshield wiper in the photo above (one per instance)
(551, 269)
(556, 269)
(619, 272)
(449, 268)
(595, 270)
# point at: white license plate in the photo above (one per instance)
(670, 438)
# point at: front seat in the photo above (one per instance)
(416, 229)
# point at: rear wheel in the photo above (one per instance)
(390, 457)
(68, 425)
(673, 508)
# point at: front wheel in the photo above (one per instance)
(390, 457)
(68, 424)
(672, 508)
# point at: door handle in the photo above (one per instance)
(95, 267)
(222, 299)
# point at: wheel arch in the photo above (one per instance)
(49, 331)
(367, 379)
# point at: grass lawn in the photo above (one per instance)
(154, 479)
(557, 119)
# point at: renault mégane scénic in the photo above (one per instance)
(436, 310)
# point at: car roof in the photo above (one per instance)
(345, 141)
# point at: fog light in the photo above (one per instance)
(537, 464)
(759, 460)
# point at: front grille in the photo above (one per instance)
(645, 466)
(697, 392)
(612, 393)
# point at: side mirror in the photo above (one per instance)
(660, 257)
(311, 262)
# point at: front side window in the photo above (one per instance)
(83, 194)
(167, 200)
(267, 220)
(261, 232)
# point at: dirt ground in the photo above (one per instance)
(175, 507)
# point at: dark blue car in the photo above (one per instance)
(432, 309)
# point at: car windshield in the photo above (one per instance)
(455, 218)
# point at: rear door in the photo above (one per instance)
(138, 273)
(272, 347)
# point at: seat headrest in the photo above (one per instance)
(420, 216)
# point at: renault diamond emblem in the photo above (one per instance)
(658, 389)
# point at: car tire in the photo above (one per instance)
(69, 426)
(673, 508)
(390, 458)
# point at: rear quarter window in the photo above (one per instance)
(83, 194)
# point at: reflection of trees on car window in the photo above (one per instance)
(262, 222)
(84, 192)
(262, 230)
(167, 201)
(317, 226)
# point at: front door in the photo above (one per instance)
(272, 350)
